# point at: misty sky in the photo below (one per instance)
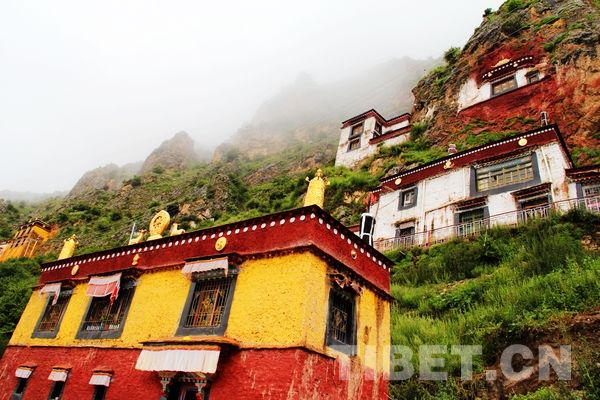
(83, 83)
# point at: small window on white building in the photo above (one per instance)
(408, 198)
(533, 76)
(377, 130)
(504, 85)
(591, 190)
(504, 173)
(354, 144)
(357, 130)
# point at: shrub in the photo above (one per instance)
(417, 129)
(158, 169)
(551, 46)
(451, 55)
(513, 25)
(135, 181)
(514, 5)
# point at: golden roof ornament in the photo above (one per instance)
(158, 224)
(175, 230)
(316, 189)
(68, 248)
(139, 238)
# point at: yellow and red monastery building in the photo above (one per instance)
(287, 306)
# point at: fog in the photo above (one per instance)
(83, 84)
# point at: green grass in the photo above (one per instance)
(510, 283)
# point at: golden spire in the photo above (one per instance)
(316, 190)
(68, 247)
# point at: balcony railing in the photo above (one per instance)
(474, 228)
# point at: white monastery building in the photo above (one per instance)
(361, 135)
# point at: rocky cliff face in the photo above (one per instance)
(109, 177)
(563, 38)
(176, 153)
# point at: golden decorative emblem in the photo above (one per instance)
(398, 181)
(135, 260)
(221, 243)
(158, 224)
(449, 164)
(353, 254)
(522, 142)
(74, 270)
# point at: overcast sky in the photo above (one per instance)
(84, 84)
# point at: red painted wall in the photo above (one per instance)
(127, 383)
(249, 374)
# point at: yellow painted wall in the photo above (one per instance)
(277, 302)
(22, 244)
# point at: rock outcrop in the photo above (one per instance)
(564, 39)
(176, 153)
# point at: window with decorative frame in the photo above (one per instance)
(341, 323)
(408, 198)
(533, 76)
(504, 85)
(49, 322)
(207, 307)
(105, 316)
(354, 144)
(505, 173)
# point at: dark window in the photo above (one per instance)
(99, 392)
(504, 173)
(471, 222)
(19, 389)
(357, 130)
(57, 390)
(533, 77)
(405, 235)
(534, 207)
(504, 86)
(354, 144)
(106, 320)
(341, 324)
(208, 304)
(377, 130)
(408, 198)
(49, 322)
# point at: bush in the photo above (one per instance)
(514, 5)
(417, 129)
(513, 25)
(158, 169)
(135, 181)
(451, 55)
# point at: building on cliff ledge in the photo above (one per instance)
(287, 306)
(361, 135)
(27, 240)
(505, 182)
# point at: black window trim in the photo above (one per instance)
(508, 188)
(212, 330)
(347, 348)
(18, 396)
(52, 334)
(512, 77)
(112, 334)
(62, 389)
(401, 205)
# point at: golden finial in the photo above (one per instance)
(316, 189)
(158, 224)
(68, 247)
(175, 230)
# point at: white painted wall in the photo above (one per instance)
(436, 196)
(351, 158)
(470, 94)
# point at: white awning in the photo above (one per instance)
(100, 379)
(101, 286)
(58, 375)
(205, 266)
(23, 372)
(53, 289)
(204, 361)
